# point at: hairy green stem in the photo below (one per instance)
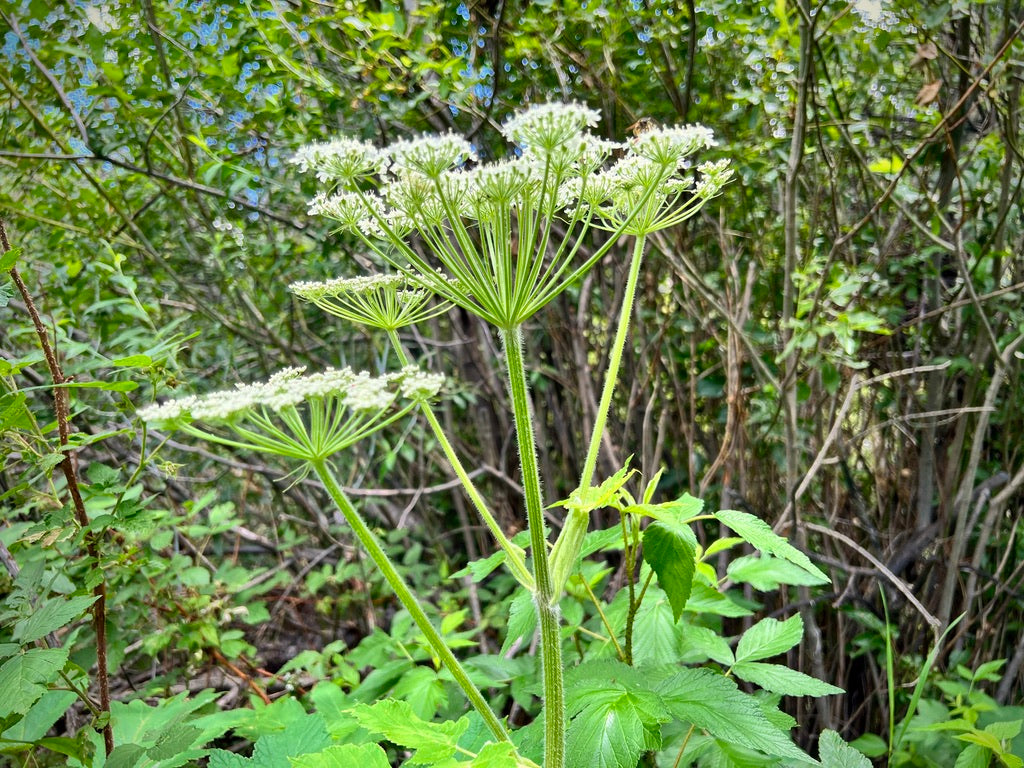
(544, 599)
(614, 361)
(514, 555)
(408, 598)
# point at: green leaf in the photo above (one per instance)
(836, 753)
(274, 750)
(496, 755)
(125, 756)
(396, 722)
(706, 643)
(671, 550)
(1006, 729)
(55, 613)
(871, 744)
(973, 756)
(479, 569)
(344, 756)
(766, 573)
(133, 361)
(616, 719)
(174, 741)
(111, 386)
(760, 535)
(769, 637)
(714, 703)
(9, 258)
(779, 679)
(23, 677)
(522, 619)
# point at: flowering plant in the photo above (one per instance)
(502, 240)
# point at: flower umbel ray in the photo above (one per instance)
(509, 232)
(306, 417)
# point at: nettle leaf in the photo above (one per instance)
(23, 678)
(54, 614)
(714, 703)
(396, 722)
(779, 679)
(769, 637)
(344, 756)
(615, 717)
(836, 753)
(274, 750)
(671, 550)
(766, 573)
(760, 535)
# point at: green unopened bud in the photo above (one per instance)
(565, 552)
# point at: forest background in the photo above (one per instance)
(832, 345)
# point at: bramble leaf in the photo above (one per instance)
(760, 535)
(671, 550)
(836, 753)
(766, 573)
(779, 679)
(769, 637)
(54, 614)
(714, 703)
(23, 678)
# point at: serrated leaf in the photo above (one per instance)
(133, 361)
(714, 703)
(704, 599)
(273, 750)
(615, 729)
(973, 757)
(54, 614)
(1005, 729)
(9, 258)
(496, 755)
(23, 677)
(766, 573)
(522, 620)
(707, 643)
(396, 722)
(836, 753)
(779, 679)
(671, 550)
(174, 741)
(769, 637)
(760, 535)
(479, 569)
(720, 545)
(344, 756)
(125, 756)
(423, 689)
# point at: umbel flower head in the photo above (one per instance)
(484, 236)
(387, 302)
(308, 417)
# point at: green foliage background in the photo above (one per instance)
(832, 347)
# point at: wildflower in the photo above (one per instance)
(342, 160)
(388, 302)
(548, 126)
(430, 155)
(670, 146)
(341, 407)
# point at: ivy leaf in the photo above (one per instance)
(779, 679)
(671, 550)
(760, 535)
(714, 703)
(344, 756)
(836, 753)
(23, 677)
(55, 613)
(769, 637)
(396, 722)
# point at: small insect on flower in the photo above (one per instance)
(642, 126)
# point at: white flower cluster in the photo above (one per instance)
(548, 126)
(670, 146)
(430, 155)
(344, 160)
(420, 385)
(380, 301)
(288, 388)
(714, 176)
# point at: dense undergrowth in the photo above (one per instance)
(831, 347)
